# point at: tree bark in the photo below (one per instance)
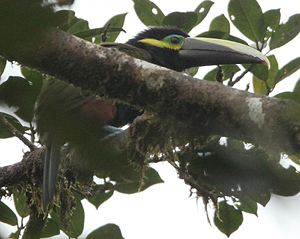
(200, 106)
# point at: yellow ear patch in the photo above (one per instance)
(162, 44)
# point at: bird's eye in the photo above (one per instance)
(175, 40)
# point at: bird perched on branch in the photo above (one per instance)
(66, 113)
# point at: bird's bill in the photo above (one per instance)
(211, 51)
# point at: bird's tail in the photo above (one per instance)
(51, 164)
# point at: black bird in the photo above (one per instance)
(65, 113)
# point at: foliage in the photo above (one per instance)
(231, 176)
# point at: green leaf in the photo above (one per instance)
(183, 20)
(259, 86)
(285, 32)
(260, 71)
(262, 75)
(247, 16)
(151, 177)
(233, 144)
(228, 71)
(272, 20)
(22, 93)
(7, 215)
(272, 71)
(287, 181)
(5, 132)
(117, 22)
(248, 205)
(64, 16)
(228, 219)
(75, 227)
(108, 231)
(220, 23)
(20, 203)
(288, 70)
(99, 199)
(78, 25)
(51, 229)
(297, 88)
(289, 95)
(261, 197)
(96, 32)
(32, 75)
(2, 64)
(148, 13)
(191, 71)
(221, 35)
(202, 10)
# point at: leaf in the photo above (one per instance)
(2, 64)
(288, 70)
(5, 132)
(228, 219)
(220, 23)
(248, 205)
(285, 32)
(233, 144)
(132, 186)
(262, 75)
(64, 16)
(148, 12)
(191, 71)
(221, 35)
(20, 203)
(289, 95)
(32, 75)
(297, 88)
(75, 227)
(78, 25)
(99, 199)
(272, 20)
(22, 93)
(272, 71)
(117, 22)
(259, 86)
(96, 32)
(260, 71)
(294, 96)
(7, 215)
(247, 16)
(228, 71)
(261, 197)
(51, 229)
(183, 20)
(202, 10)
(287, 181)
(108, 231)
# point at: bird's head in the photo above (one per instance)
(172, 48)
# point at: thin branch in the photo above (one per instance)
(233, 82)
(247, 87)
(17, 133)
(104, 35)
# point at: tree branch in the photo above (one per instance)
(17, 133)
(206, 107)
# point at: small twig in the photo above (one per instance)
(17, 133)
(269, 90)
(32, 132)
(231, 78)
(233, 82)
(220, 75)
(247, 87)
(104, 35)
